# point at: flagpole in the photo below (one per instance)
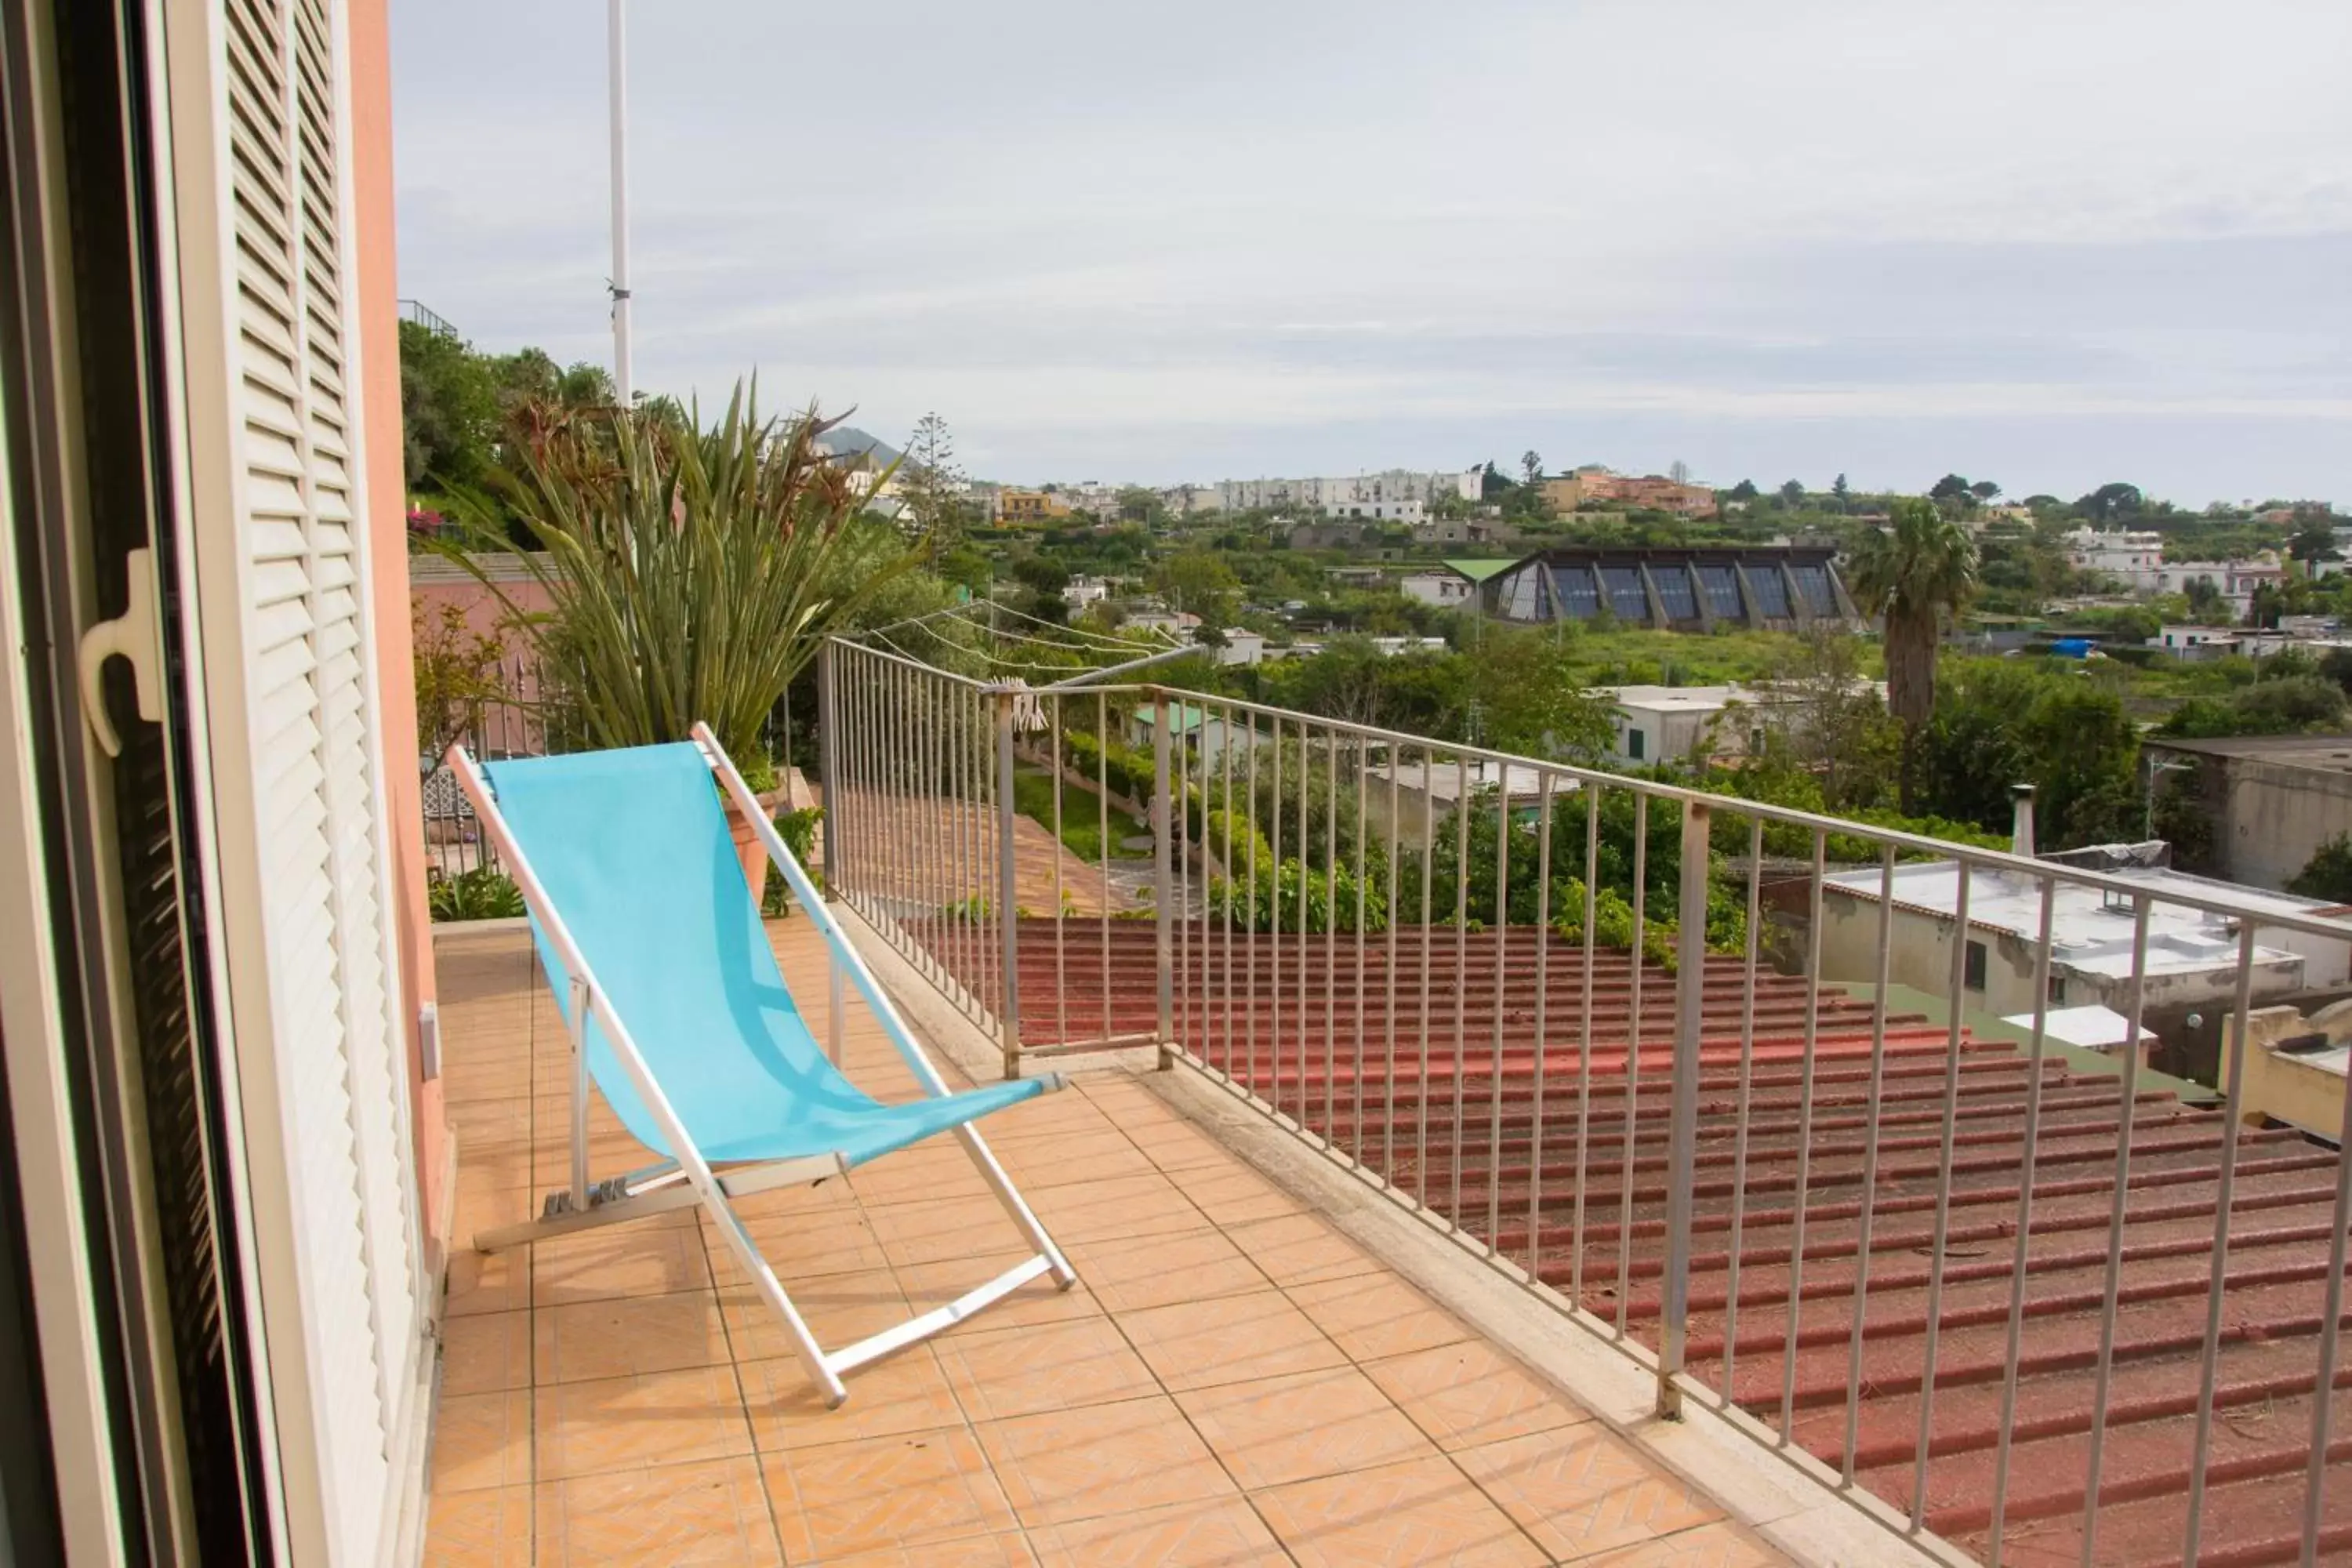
(618, 46)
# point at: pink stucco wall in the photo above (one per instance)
(370, 48)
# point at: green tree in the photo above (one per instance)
(1913, 573)
(1792, 493)
(449, 411)
(2328, 874)
(1744, 491)
(1842, 491)
(933, 486)
(2313, 540)
(1198, 582)
(1531, 468)
(2110, 501)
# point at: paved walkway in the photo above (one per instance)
(1232, 1381)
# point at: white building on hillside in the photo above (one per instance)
(2133, 557)
(1655, 723)
(1392, 495)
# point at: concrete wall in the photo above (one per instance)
(2269, 818)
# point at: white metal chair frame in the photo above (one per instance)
(689, 1180)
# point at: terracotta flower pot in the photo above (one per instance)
(748, 847)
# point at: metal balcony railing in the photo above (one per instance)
(1723, 1081)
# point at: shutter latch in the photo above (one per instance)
(131, 635)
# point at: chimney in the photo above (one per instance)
(2021, 836)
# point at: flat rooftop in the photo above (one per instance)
(2087, 931)
(2328, 753)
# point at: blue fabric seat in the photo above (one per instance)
(634, 855)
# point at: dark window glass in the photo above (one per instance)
(1771, 593)
(1675, 591)
(1579, 595)
(1722, 585)
(1972, 967)
(1627, 602)
(1813, 582)
(1633, 739)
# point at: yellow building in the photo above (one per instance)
(1028, 506)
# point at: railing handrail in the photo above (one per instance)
(2232, 906)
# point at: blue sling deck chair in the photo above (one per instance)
(666, 983)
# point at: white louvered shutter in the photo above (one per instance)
(289, 345)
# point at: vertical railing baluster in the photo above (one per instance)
(1330, 933)
(1870, 1115)
(1584, 1041)
(1739, 1109)
(1388, 971)
(1502, 971)
(1305, 793)
(1460, 1075)
(2137, 997)
(1274, 932)
(1682, 1129)
(1632, 1060)
(1164, 897)
(828, 758)
(1363, 837)
(1008, 890)
(1249, 931)
(2034, 1053)
(1061, 898)
(1804, 1137)
(1102, 807)
(1934, 1341)
(2323, 1388)
(1428, 942)
(1542, 1019)
(2232, 1112)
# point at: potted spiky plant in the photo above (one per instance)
(691, 571)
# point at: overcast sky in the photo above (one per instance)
(2047, 243)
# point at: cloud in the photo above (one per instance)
(1106, 241)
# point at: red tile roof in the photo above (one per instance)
(1467, 1117)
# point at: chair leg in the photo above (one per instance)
(1015, 1205)
(771, 1290)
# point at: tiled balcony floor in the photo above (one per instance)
(1232, 1381)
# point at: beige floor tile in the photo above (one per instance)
(1012, 1551)
(1279, 1429)
(485, 1529)
(487, 1281)
(625, 1260)
(1375, 1317)
(1404, 1515)
(1300, 1249)
(903, 1491)
(1583, 1490)
(800, 1248)
(938, 1232)
(490, 1126)
(1100, 1460)
(583, 1340)
(1128, 1273)
(998, 1373)
(1124, 1205)
(1708, 1546)
(926, 1172)
(484, 1353)
(482, 1440)
(1222, 1532)
(1231, 1339)
(1090, 1157)
(706, 1513)
(905, 1392)
(1179, 1146)
(619, 1424)
(1234, 1196)
(1468, 1394)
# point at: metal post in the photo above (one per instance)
(1690, 998)
(829, 745)
(1008, 1016)
(579, 1022)
(1163, 878)
(617, 65)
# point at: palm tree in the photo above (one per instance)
(1913, 573)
